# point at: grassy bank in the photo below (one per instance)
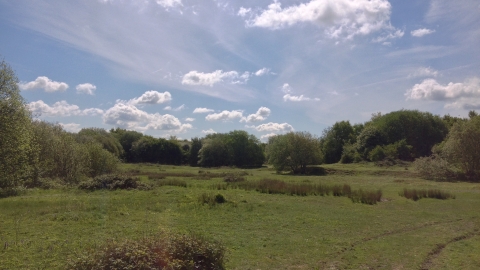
(46, 228)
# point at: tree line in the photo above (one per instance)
(33, 150)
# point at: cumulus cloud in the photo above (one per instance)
(274, 127)
(261, 114)
(179, 108)
(44, 83)
(340, 18)
(149, 97)
(422, 32)
(61, 108)
(266, 136)
(424, 72)
(224, 116)
(169, 3)
(202, 110)
(430, 89)
(242, 12)
(209, 79)
(130, 117)
(86, 88)
(286, 88)
(71, 127)
(261, 72)
(289, 97)
(209, 131)
(189, 119)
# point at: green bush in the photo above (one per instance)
(173, 251)
(377, 153)
(211, 199)
(434, 168)
(112, 182)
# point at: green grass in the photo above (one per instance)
(42, 229)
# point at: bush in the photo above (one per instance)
(417, 194)
(434, 168)
(377, 153)
(112, 182)
(175, 251)
(211, 199)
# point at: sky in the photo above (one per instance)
(188, 68)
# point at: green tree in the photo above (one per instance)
(15, 131)
(104, 138)
(126, 138)
(293, 151)
(333, 140)
(462, 147)
(194, 149)
(215, 152)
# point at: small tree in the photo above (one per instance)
(294, 150)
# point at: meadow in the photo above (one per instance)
(45, 229)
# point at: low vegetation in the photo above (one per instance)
(164, 251)
(417, 194)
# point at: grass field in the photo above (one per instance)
(43, 229)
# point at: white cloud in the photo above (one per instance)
(224, 116)
(286, 88)
(243, 11)
(209, 79)
(169, 3)
(149, 97)
(261, 114)
(202, 110)
(424, 72)
(266, 136)
(430, 89)
(340, 18)
(189, 119)
(61, 108)
(272, 127)
(130, 117)
(86, 88)
(45, 83)
(71, 127)
(289, 97)
(179, 108)
(209, 131)
(261, 72)
(421, 32)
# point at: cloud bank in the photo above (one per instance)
(44, 83)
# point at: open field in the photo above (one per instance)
(42, 229)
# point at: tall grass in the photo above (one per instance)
(274, 186)
(417, 194)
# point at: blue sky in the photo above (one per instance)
(188, 68)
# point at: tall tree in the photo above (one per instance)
(293, 151)
(15, 131)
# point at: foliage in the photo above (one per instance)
(368, 139)
(112, 182)
(211, 199)
(350, 154)
(15, 132)
(236, 148)
(462, 147)
(153, 150)
(100, 161)
(417, 194)
(333, 140)
(294, 151)
(434, 168)
(126, 139)
(194, 149)
(421, 130)
(164, 251)
(101, 136)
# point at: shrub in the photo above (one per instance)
(211, 199)
(112, 182)
(377, 153)
(434, 168)
(174, 251)
(417, 194)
